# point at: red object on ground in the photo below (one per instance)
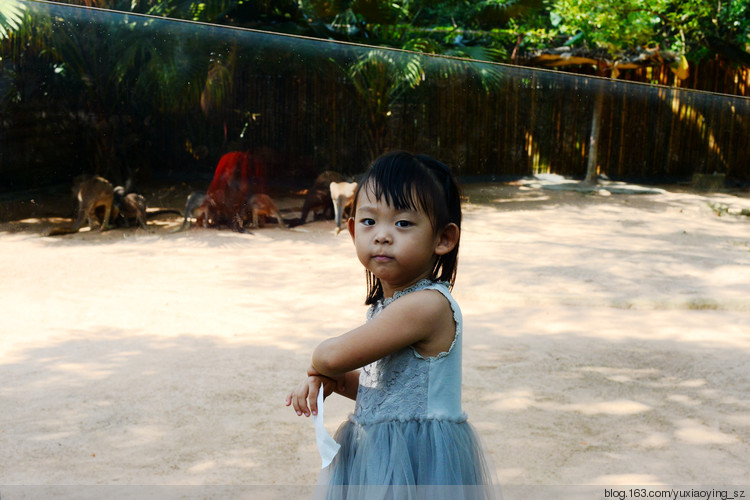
(236, 178)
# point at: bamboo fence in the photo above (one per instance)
(293, 102)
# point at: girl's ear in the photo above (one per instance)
(447, 239)
(350, 224)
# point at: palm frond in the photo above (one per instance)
(11, 16)
(381, 76)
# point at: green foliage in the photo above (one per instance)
(483, 29)
(379, 79)
(696, 28)
(11, 15)
(612, 25)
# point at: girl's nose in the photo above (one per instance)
(383, 238)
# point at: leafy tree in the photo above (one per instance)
(490, 30)
(699, 28)
(695, 28)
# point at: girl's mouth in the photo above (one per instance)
(382, 258)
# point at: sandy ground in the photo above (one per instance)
(607, 342)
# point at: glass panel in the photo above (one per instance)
(87, 91)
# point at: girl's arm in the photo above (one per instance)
(351, 386)
(422, 319)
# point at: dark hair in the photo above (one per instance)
(415, 182)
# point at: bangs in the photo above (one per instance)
(404, 188)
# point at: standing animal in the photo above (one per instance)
(95, 195)
(194, 207)
(257, 208)
(342, 195)
(318, 197)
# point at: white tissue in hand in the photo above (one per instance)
(327, 447)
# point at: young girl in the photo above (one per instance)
(408, 430)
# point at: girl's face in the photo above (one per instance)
(397, 246)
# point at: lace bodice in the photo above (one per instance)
(407, 386)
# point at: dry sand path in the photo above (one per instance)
(607, 342)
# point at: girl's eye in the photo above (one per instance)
(403, 223)
(367, 222)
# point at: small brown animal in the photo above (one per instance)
(129, 207)
(258, 207)
(93, 193)
(319, 196)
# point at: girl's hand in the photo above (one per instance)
(304, 399)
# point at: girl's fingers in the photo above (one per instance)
(303, 409)
(313, 401)
(297, 399)
(299, 408)
(304, 400)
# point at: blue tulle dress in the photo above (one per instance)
(408, 436)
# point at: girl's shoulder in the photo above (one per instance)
(429, 307)
(425, 284)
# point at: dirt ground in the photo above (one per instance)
(606, 343)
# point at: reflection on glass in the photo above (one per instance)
(91, 91)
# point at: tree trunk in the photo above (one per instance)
(593, 153)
